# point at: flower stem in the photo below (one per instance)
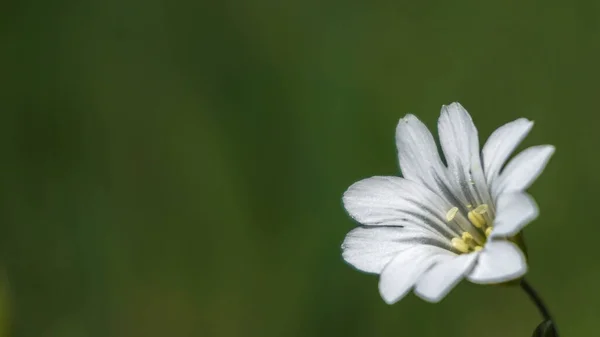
(535, 298)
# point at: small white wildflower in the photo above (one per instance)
(439, 224)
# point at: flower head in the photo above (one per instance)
(443, 222)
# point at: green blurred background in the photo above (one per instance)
(175, 168)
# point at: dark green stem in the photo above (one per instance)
(535, 298)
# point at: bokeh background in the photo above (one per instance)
(175, 168)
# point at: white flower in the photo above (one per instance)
(441, 223)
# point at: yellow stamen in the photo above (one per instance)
(481, 209)
(451, 213)
(488, 231)
(468, 238)
(460, 245)
(477, 248)
(469, 206)
(476, 219)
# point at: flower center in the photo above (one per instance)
(478, 218)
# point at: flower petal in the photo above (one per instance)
(442, 277)
(522, 170)
(418, 154)
(394, 201)
(501, 145)
(370, 248)
(404, 270)
(515, 211)
(498, 262)
(460, 143)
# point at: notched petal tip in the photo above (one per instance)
(391, 293)
(356, 190)
(388, 295)
(408, 118)
(524, 123)
(389, 300)
(455, 109)
(546, 151)
(550, 148)
(409, 123)
(453, 105)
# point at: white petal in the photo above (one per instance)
(515, 211)
(498, 262)
(442, 277)
(501, 145)
(458, 135)
(370, 249)
(417, 153)
(460, 143)
(394, 201)
(404, 270)
(522, 170)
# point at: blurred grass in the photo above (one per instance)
(175, 168)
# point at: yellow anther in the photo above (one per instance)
(477, 248)
(460, 245)
(451, 213)
(488, 231)
(476, 219)
(468, 238)
(469, 206)
(481, 209)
